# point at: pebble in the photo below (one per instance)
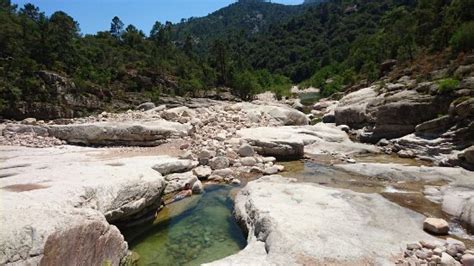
(248, 161)
(436, 226)
(246, 150)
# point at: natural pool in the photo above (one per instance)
(194, 231)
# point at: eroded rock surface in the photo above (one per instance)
(128, 134)
(59, 206)
(293, 142)
(355, 228)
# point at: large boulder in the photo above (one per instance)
(169, 165)
(280, 112)
(388, 115)
(354, 228)
(63, 212)
(293, 142)
(120, 133)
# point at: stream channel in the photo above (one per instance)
(202, 229)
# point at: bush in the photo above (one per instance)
(463, 38)
(447, 85)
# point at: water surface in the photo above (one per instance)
(194, 231)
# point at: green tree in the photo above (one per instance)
(116, 27)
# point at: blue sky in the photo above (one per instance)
(96, 15)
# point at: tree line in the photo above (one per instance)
(339, 40)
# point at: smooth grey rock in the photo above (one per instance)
(226, 172)
(290, 142)
(447, 260)
(174, 165)
(436, 226)
(270, 170)
(123, 133)
(177, 182)
(219, 162)
(202, 172)
(283, 113)
(72, 197)
(246, 150)
(197, 187)
(146, 106)
(388, 115)
(248, 161)
(320, 215)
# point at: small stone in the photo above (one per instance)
(281, 168)
(187, 155)
(446, 259)
(428, 245)
(270, 170)
(215, 178)
(458, 245)
(29, 121)
(204, 157)
(226, 172)
(438, 251)
(269, 159)
(421, 254)
(202, 172)
(467, 260)
(350, 160)
(414, 246)
(221, 137)
(197, 187)
(246, 150)
(436, 226)
(248, 161)
(184, 146)
(235, 181)
(220, 162)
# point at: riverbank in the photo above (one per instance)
(138, 157)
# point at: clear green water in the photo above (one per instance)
(201, 232)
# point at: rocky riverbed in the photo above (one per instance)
(54, 191)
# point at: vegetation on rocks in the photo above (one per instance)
(250, 46)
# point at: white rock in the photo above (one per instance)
(197, 187)
(436, 226)
(177, 182)
(173, 165)
(248, 161)
(355, 227)
(270, 170)
(71, 197)
(202, 172)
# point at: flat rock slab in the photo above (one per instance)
(399, 172)
(281, 112)
(457, 198)
(123, 133)
(306, 224)
(294, 141)
(57, 203)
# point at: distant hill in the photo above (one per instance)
(245, 17)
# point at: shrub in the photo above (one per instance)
(463, 38)
(447, 85)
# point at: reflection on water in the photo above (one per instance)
(198, 230)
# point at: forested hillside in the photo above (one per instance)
(242, 19)
(347, 40)
(49, 69)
